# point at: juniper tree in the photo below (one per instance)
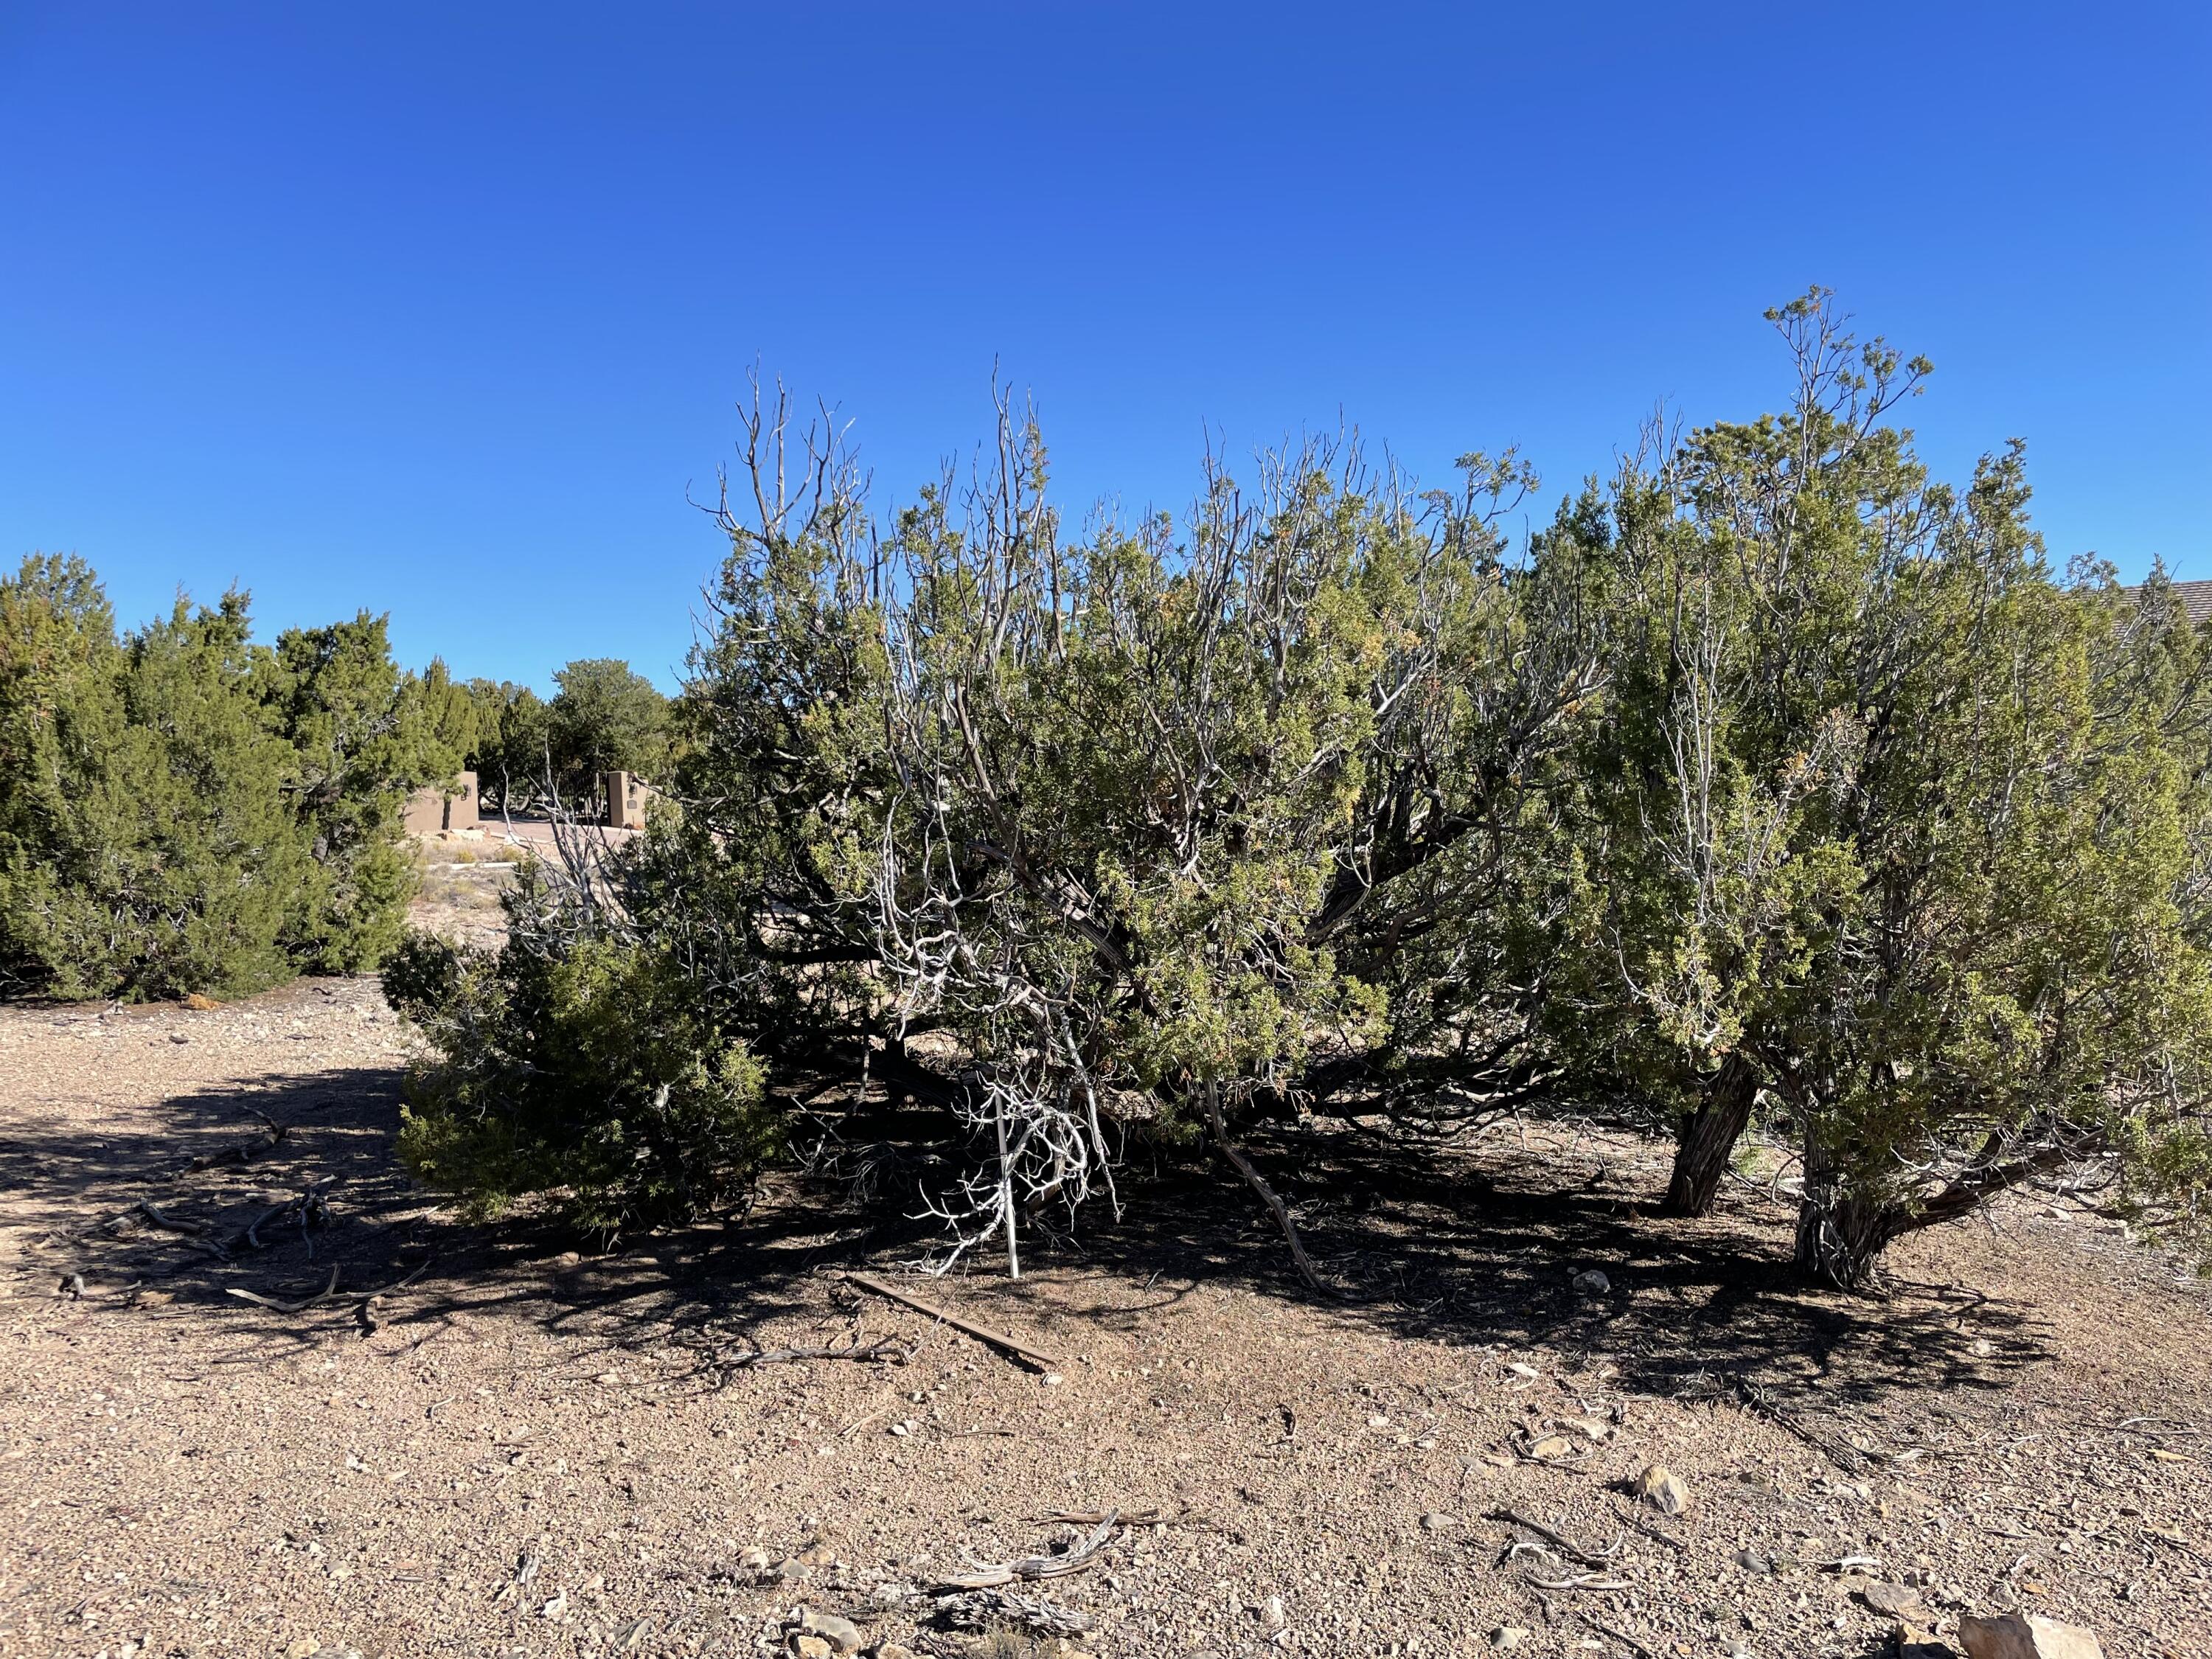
(182, 811)
(1874, 837)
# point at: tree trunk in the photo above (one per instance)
(1841, 1234)
(1707, 1138)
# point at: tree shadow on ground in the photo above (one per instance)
(1480, 1244)
(1475, 1245)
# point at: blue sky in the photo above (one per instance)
(442, 310)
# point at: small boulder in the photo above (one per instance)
(842, 1635)
(2017, 1636)
(1895, 1600)
(1662, 1489)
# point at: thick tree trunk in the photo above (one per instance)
(1841, 1234)
(1708, 1136)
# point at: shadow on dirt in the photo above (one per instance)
(1472, 1246)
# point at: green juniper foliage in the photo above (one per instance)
(604, 718)
(590, 1069)
(511, 747)
(1884, 828)
(1773, 782)
(182, 811)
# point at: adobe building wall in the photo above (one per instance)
(430, 810)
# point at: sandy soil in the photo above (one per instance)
(522, 1447)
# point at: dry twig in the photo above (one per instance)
(886, 1350)
(1558, 1540)
(983, 1333)
(301, 1306)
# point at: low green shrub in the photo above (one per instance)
(588, 1070)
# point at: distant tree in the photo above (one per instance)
(603, 719)
(363, 736)
(512, 754)
(451, 715)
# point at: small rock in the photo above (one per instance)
(811, 1647)
(1508, 1636)
(1591, 1428)
(754, 1559)
(1753, 1561)
(1435, 1520)
(1272, 1610)
(1895, 1600)
(555, 1608)
(1591, 1282)
(1662, 1489)
(842, 1635)
(1551, 1446)
(1053, 1379)
(895, 1650)
(2013, 1636)
(792, 1570)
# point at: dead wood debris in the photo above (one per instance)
(151, 1213)
(364, 1302)
(1244, 1167)
(980, 1610)
(299, 1307)
(883, 1351)
(1127, 1518)
(1620, 1636)
(1558, 1540)
(982, 1333)
(1578, 1581)
(1034, 1567)
(1650, 1529)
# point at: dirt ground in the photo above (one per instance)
(522, 1447)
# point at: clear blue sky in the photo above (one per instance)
(440, 310)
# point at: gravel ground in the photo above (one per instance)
(522, 1448)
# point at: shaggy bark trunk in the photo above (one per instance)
(1708, 1136)
(1841, 1234)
